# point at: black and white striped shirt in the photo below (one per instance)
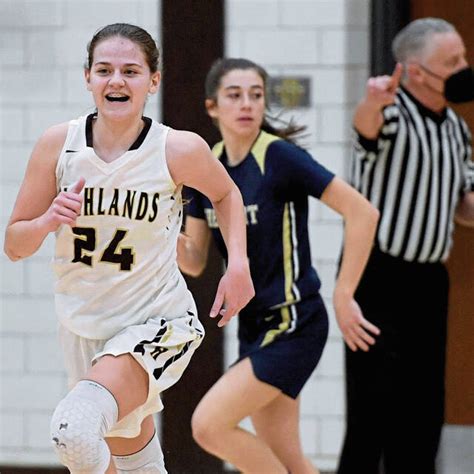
(414, 173)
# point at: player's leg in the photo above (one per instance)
(116, 410)
(93, 407)
(162, 350)
(81, 420)
(278, 425)
(118, 374)
(236, 395)
(142, 454)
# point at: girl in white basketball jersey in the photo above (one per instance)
(109, 186)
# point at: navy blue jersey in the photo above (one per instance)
(275, 179)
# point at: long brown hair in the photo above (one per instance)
(288, 131)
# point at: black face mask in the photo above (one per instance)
(459, 87)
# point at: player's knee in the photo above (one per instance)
(205, 428)
(78, 426)
(76, 437)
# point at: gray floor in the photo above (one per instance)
(456, 455)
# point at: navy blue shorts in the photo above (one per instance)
(285, 344)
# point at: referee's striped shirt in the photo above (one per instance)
(414, 173)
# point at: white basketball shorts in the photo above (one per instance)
(162, 347)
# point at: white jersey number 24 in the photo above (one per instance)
(85, 243)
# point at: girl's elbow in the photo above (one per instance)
(365, 214)
(192, 267)
(200, 266)
(9, 248)
(14, 257)
(194, 271)
(363, 209)
(372, 217)
(374, 214)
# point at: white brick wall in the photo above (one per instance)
(42, 50)
(326, 40)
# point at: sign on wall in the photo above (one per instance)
(289, 91)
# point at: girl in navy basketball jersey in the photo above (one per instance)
(109, 186)
(282, 331)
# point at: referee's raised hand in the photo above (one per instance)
(381, 90)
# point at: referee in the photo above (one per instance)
(412, 160)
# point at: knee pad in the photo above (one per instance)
(148, 460)
(78, 427)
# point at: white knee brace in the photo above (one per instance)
(149, 460)
(79, 425)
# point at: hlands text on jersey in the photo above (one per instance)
(128, 203)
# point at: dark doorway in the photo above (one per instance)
(192, 39)
(387, 18)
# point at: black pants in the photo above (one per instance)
(395, 392)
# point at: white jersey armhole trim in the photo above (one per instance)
(166, 130)
(73, 124)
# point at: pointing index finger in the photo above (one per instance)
(397, 75)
